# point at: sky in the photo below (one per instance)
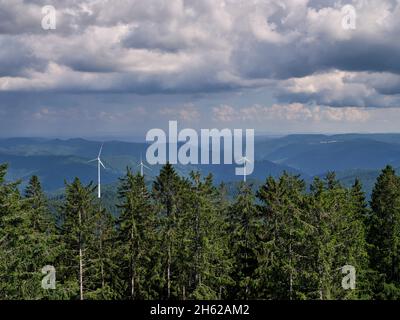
(118, 68)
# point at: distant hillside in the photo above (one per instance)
(316, 154)
(337, 155)
(57, 160)
(350, 155)
(368, 178)
(53, 170)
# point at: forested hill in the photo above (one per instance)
(349, 155)
(183, 238)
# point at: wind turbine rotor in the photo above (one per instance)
(101, 149)
(102, 164)
(244, 160)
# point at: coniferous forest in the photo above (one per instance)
(184, 238)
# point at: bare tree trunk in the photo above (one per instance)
(290, 266)
(169, 272)
(132, 265)
(321, 288)
(246, 263)
(102, 263)
(102, 275)
(80, 272)
(291, 286)
(133, 286)
(80, 258)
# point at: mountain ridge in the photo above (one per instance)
(307, 155)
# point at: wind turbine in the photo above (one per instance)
(142, 166)
(245, 161)
(99, 163)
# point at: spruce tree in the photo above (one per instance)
(206, 241)
(384, 234)
(13, 228)
(25, 245)
(282, 233)
(242, 224)
(137, 238)
(102, 252)
(77, 232)
(42, 231)
(360, 201)
(338, 239)
(165, 192)
(360, 215)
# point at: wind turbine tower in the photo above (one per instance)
(245, 161)
(142, 166)
(99, 163)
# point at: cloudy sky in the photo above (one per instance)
(121, 67)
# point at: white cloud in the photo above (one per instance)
(187, 113)
(295, 112)
(340, 88)
(295, 52)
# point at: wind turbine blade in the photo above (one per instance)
(244, 160)
(92, 160)
(146, 167)
(101, 149)
(102, 164)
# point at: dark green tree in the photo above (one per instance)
(25, 246)
(102, 252)
(384, 234)
(137, 238)
(205, 238)
(242, 225)
(165, 192)
(78, 222)
(360, 202)
(282, 248)
(338, 240)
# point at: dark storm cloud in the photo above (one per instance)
(177, 46)
(16, 57)
(301, 59)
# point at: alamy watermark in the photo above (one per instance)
(49, 20)
(351, 14)
(207, 150)
(349, 280)
(349, 17)
(49, 280)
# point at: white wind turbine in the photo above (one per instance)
(142, 166)
(99, 163)
(245, 161)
